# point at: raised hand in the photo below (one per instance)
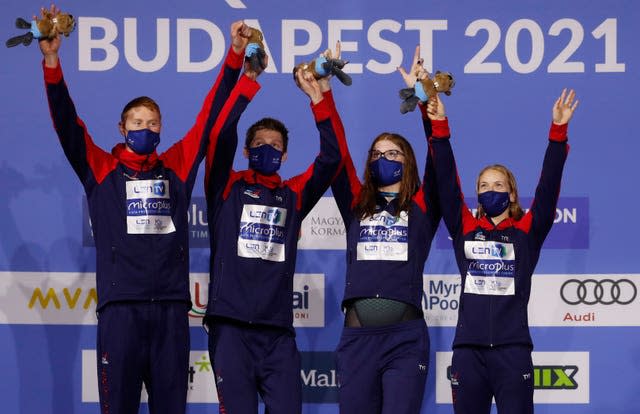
(564, 107)
(435, 108)
(49, 47)
(309, 85)
(417, 70)
(240, 34)
(325, 82)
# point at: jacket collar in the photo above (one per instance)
(135, 161)
(254, 177)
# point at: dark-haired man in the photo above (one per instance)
(254, 221)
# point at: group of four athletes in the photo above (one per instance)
(138, 201)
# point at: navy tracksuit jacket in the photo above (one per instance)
(496, 262)
(254, 220)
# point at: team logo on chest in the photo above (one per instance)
(262, 232)
(491, 268)
(149, 207)
(384, 237)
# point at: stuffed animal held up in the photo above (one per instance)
(324, 65)
(424, 89)
(254, 52)
(46, 27)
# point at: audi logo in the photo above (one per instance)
(603, 291)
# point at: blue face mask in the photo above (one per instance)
(386, 172)
(265, 159)
(142, 141)
(494, 203)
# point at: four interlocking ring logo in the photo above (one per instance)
(603, 291)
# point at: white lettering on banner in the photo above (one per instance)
(292, 52)
(441, 299)
(334, 34)
(558, 377)
(323, 228)
(87, 44)
(184, 27)
(201, 383)
(131, 46)
(315, 378)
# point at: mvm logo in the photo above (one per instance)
(69, 300)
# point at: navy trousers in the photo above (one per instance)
(143, 342)
(383, 369)
(505, 372)
(251, 360)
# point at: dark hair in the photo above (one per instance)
(515, 211)
(366, 205)
(271, 124)
(145, 101)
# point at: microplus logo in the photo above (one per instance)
(196, 218)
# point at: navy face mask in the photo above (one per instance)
(142, 141)
(494, 203)
(265, 159)
(386, 172)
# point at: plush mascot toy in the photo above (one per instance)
(46, 27)
(425, 88)
(324, 65)
(254, 52)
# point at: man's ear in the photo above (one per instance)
(284, 157)
(245, 152)
(123, 131)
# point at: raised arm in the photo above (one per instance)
(223, 140)
(90, 163)
(428, 190)
(542, 211)
(333, 148)
(454, 210)
(185, 155)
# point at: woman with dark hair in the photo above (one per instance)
(390, 219)
(497, 252)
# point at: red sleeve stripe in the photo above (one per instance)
(418, 198)
(347, 161)
(558, 132)
(440, 128)
(245, 87)
(52, 75)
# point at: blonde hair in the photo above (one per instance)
(515, 210)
